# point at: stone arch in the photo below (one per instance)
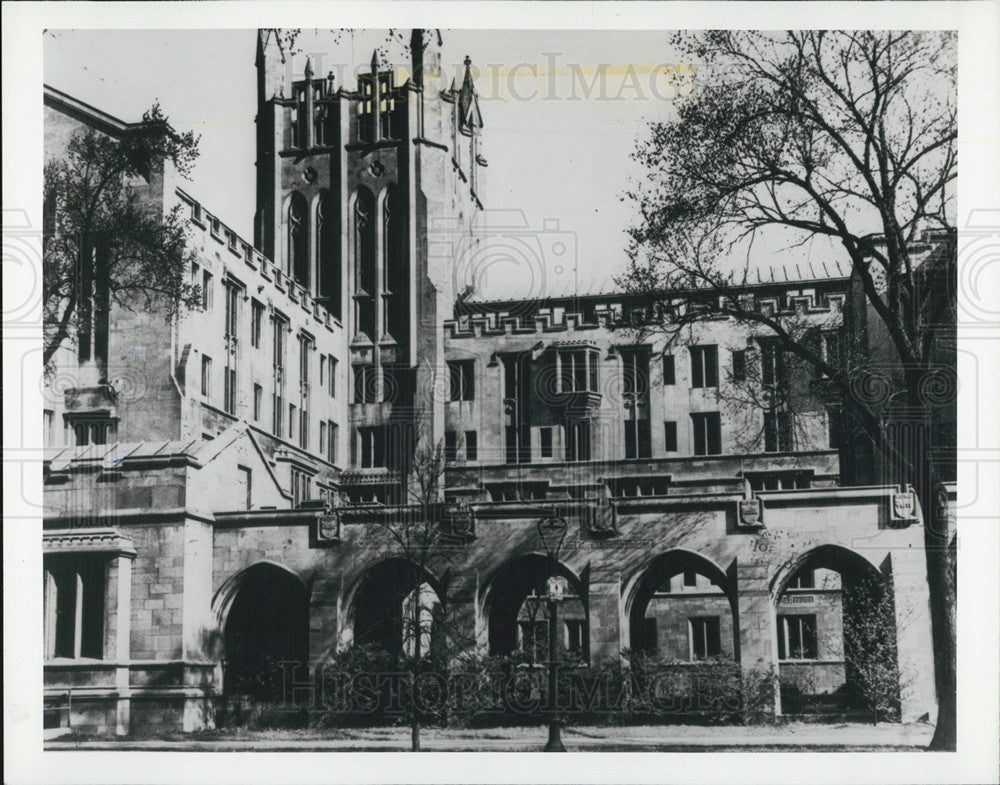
(822, 557)
(510, 584)
(375, 602)
(657, 577)
(263, 614)
(834, 611)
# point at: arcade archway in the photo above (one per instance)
(836, 636)
(266, 630)
(383, 607)
(517, 617)
(681, 608)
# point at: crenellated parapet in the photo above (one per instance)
(497, 319)
(255, 267)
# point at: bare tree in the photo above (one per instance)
(418, 531)
(103, 243)
(843, 138)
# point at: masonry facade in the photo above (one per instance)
(211, 480)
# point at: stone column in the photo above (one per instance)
(757, 638)
(464, 629)
(198, 625)
(325, 618)
(914, 650)
(121, 572)
(605, 618)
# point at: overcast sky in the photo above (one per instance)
(554, 152)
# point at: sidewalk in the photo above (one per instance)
(675, 738)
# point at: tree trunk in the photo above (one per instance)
(415, 667)
(941, 586)
(54, 341)
(414, 722)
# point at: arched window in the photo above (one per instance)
(365, 276)
(298, 239)
(328, 250)
(395, 269)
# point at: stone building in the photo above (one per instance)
(211, 480)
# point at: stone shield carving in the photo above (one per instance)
(750, 513)
(903, 506)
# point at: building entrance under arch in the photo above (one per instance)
(682, 610)
(518, 617)
(384, 606)
(836, 639)
(267, 629)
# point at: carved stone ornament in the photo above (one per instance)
(903, 506)
(751, 513)
(602, 520)
(556, 587)
(328, 528)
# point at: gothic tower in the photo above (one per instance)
(366, 194)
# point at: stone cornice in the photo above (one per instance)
(87, 541)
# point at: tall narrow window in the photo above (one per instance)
(258, 395)
(778, 431)
(704, 366)
(256, 323)
(279, 326)
(450, 446)
(739, 365)
(333, 441)
(298, 239)
(74, 606)
(370, 447)
(545, 441)
(365, 384)
(395, 268)
(306, 344)
(670, 436)
(330, 272)
(635, 386)
(48, 426)
(516, 401)
(797, 637)
(206, 375)
(233, 291)
(471, 446)
(669, 375)
(365, 280)
(366, 108)
(301, 487)
(462, 377)
(707, 433)
(577, 370)
(207, 291)
(773, 365)
(233, 294)
(705, 638)
(578, 440)
(832, 348)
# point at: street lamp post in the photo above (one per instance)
(551, 531)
